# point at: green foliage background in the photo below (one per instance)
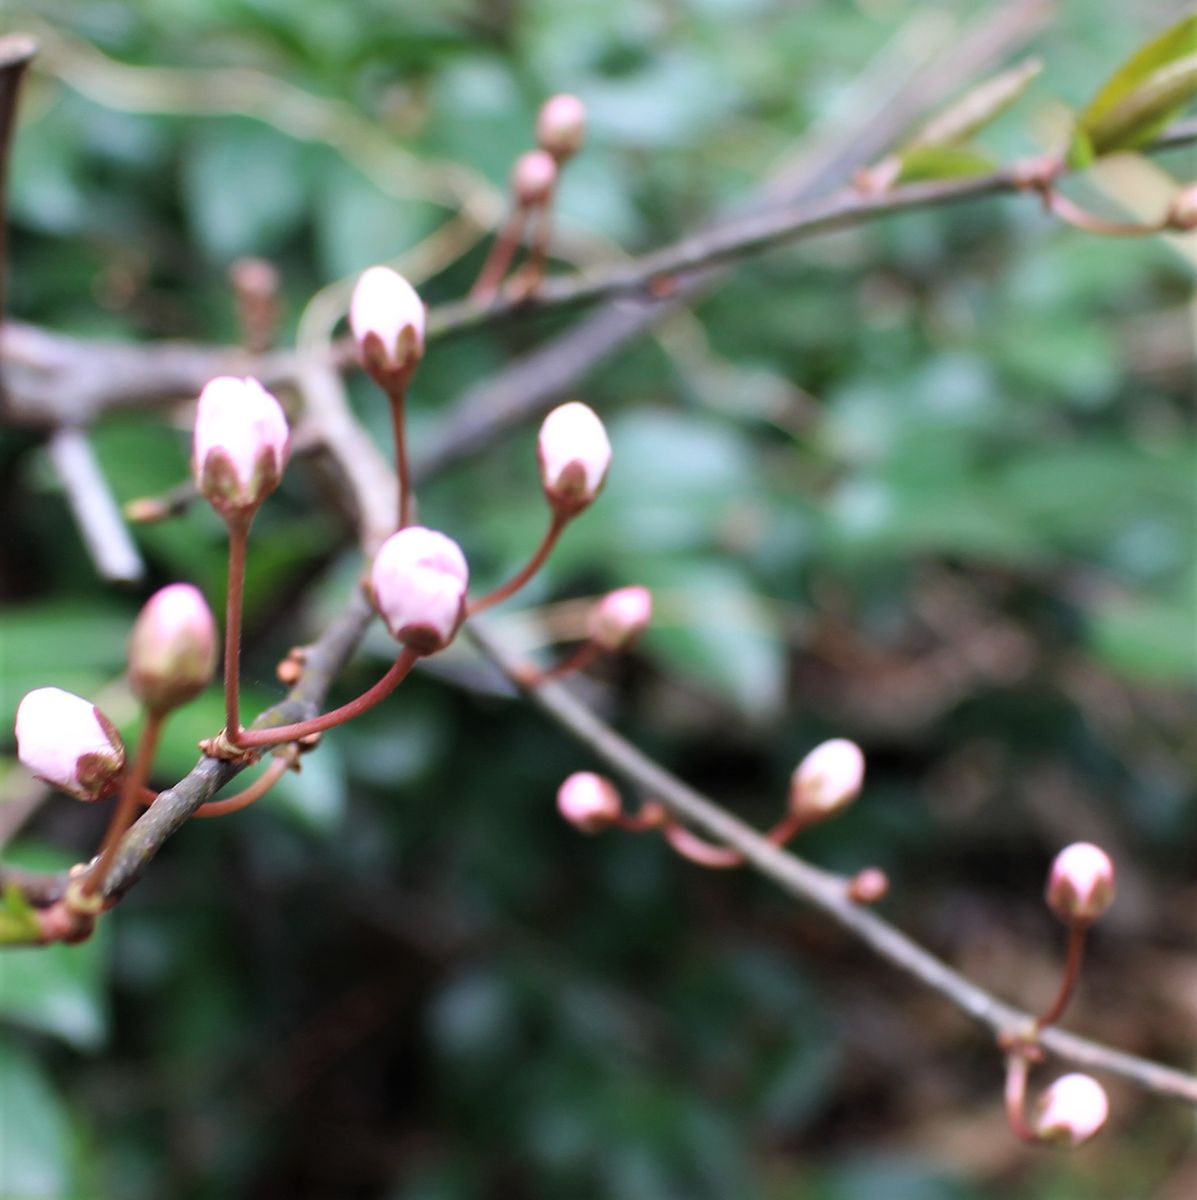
(928, 484)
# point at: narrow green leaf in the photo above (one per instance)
(18, 925)
(1145, 92)
(941, 162)
(1137, 118)
(977, 107)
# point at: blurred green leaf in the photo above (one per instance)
(1154, 640)
(1142, 96)
(941, 162)
(977, 107)
(246, 187)
(18, 923)
(57, 989)
(35, 1136)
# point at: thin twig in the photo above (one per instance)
(822, 890)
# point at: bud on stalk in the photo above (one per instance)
(1071, 1111)
(1080, 886)
(387, 318)
(589, 802)
(66, 741)
(241, 445)
(561, 126)
(574, 455)
(419, 581)
(172, 648)
(620, 617)
(828, 779)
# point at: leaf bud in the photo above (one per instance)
(241, 445)
(828, 779)
(1080, 885)
(620, 617)
(1071, 1110)
(66, 741)
(418, 583)
(172, 648)
(574, 455)
(589, 802)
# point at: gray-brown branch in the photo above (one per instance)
(823, 891)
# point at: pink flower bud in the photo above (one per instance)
(533, 178)
(419, 581)
(387, 318)
(620, 617)
(1080, 886)
(1183, 214)
(561, 126)
(827, 779)
(1071, 1111)
(589, 802)
(66, 741)
(574, 456)
(172, 649)
(241, 445)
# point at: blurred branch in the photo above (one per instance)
(16, 53)
(94, 507)
(822, 890)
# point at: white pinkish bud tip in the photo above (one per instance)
(1183, 214)
(172, 648)
(589, 802)
(387, 318)
(1080, 885)
(66, 741)
(533, 178)
(419, 581)
(574, 456)
(561, 126)
(827, 779)
(240, 446)
(1071, 1111)
(620, 617)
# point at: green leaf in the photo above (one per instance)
(17, 921)
(245, 188)
(1143, 95)
(928, 162)
(35, 1136)
(977, 107)
(1148, 639)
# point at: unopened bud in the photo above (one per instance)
(533, 178)
(620, 617)
(1183, 213)
(561, 126)
(868, 886)
(827, 779)
(419, 581)
(1080, 886)
(589, 802)
(66, 741)
(172, 648)
(574, 456)
(387, 318)
(1071, 1111)
(241, 445)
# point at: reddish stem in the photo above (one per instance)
(521, 577)
(276, 735)
(244, 798)
(396, 389)
(787, 828)
(238, 527)
(690, 845)
(1017, 1067)
(538, 255)
(502, 251)
(128, 804)
(1071, 212)
(579, 660)
(1072, 970)
(652, 815)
